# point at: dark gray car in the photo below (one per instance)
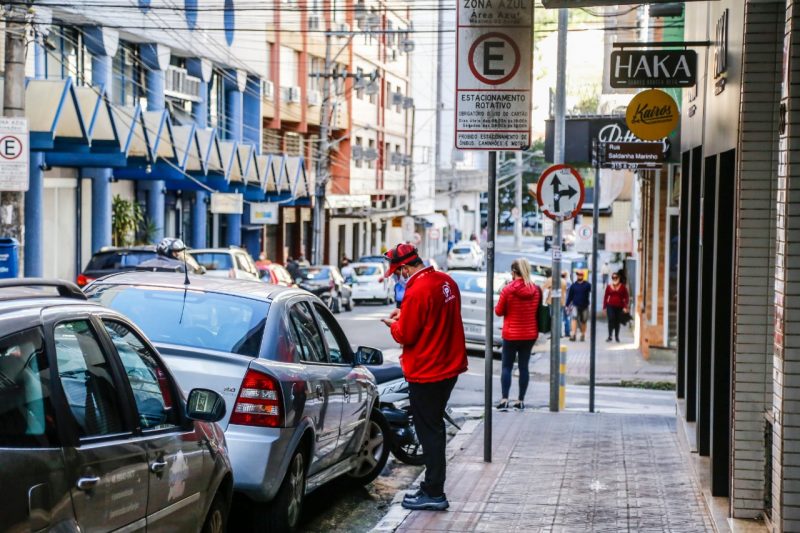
(300, 400)
(95, 434)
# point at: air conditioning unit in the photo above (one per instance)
(372, 88)
(357, 152)
(370, 154)
(408, 103)
(267, 90)
(397, 98)
(408, 45)
(313, 22)
(408, 161)
(292, 94)
(396, 158)
(314, 97)
(178, 84)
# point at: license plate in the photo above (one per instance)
(474, 330)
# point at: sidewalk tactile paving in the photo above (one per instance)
(571, 472)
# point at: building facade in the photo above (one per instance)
(167, 107)
(738, 344)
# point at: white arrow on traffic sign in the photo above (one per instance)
(560, 192)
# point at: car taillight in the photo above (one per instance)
(84, 280)
(259, 401)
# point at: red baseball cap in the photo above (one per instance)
(400, 255)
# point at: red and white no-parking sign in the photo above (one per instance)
(493, 74)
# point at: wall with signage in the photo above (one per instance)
(719, 82)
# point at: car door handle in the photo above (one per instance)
(157, 467)
(319, 392)
(473, 301)
(88, 482)
(346, 390)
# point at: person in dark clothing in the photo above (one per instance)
(615, 302)
(518, 305)
(579, 297)
(293, 268)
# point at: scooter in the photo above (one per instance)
(395, 407)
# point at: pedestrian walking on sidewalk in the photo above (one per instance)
(615, 303)
(430, 330)
(579, 298)
(518, 305)
(567, 314)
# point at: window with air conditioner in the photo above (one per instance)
(358, 152)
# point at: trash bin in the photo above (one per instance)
(9, 257)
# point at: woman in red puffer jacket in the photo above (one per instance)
(518, 305)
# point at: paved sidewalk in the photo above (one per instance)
(616, 362)
(565, 472)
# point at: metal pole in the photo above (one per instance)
(488, 349)
(558, 157)
(518, 203)
(322, 157)
(598, 147)
(13, 202)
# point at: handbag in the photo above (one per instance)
(543, 320)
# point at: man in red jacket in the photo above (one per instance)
(434, 353)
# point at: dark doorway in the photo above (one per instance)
(722, 322)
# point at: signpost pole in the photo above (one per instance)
(560, 120)
(489, 345)
(595, 245)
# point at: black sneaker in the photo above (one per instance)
(519, 405)
(413, 495)
(502, 405)
(423, 502)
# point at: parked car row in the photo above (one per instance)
(157, 400)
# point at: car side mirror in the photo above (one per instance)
(205, 405)
(368, 356)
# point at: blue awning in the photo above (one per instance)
(54, 115)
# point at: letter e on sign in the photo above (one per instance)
(14, 154)
(10, 147)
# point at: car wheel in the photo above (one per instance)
(217, 517)
(374, 450)
(283, 513)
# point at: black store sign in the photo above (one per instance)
(653, 68)
(632, 155)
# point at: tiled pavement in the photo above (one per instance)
(566, 472)
(615, 361)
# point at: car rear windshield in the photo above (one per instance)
(315, 273)
(118, 259)
(461, 251)
(26, 411)
(214, 261)
(477, 283)
(368, 270)
(189, 317)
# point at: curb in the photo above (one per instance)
(396, 514)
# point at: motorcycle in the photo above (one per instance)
(396, 408)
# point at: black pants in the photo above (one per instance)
(614, 317)
(511, 351)
(428, 402)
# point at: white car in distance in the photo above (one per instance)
(466, 255)
(368, 283)
(232, 263)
